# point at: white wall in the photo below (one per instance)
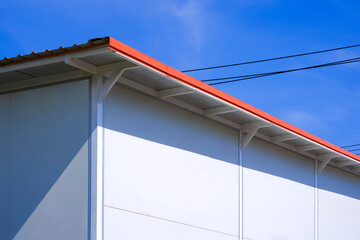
(130, 226)
(44, 162)
(169, 174)
(339, 205)
(278, 193)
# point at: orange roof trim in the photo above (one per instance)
(184, 78)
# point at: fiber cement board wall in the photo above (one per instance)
(44, 162)
(165, 163)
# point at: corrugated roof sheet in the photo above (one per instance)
(95, 42)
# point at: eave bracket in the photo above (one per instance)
(325, 160)
(116, 71)
(251, 129)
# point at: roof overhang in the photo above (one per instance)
(123, 65)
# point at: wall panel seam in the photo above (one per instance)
(316, 201)
(168, 220)
(10, 174)
(241, 188)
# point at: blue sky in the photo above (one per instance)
(195, 33)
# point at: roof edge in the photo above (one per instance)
(92, 43)
(193, 82)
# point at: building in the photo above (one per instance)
(99, 141)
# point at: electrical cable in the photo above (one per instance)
(358, 144)
(353, 150)
(271, 59)
(252, 76)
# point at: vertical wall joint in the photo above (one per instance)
(316, 200)
(241, 190)
(96, 160)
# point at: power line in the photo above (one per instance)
(271, 59)
(252, 76)
(353, 150)
(351, 145)
(286, 71)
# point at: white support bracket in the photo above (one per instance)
(251, 129)
(307, 148)
(250, 134)
(259, 124)
(166, 93)
(325, 158)
(284, 137)
(80, 64)
(357, 171)
(95, 70)
(114, 77)
(346, 163)
(219, 110)
(109, 83)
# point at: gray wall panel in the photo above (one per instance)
(165, 166)
(131, 226)
(339, 205)
(49, 162)
(4, 166)
(171, 164)
(278, 193)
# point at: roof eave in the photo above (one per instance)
(152, 63)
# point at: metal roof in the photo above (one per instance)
(95, 42)
(104, 55)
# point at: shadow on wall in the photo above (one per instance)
(265, 157)
(45, 133)
(44, 154)
(137, 115)
(134, 114)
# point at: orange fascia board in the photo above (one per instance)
(186, 79)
